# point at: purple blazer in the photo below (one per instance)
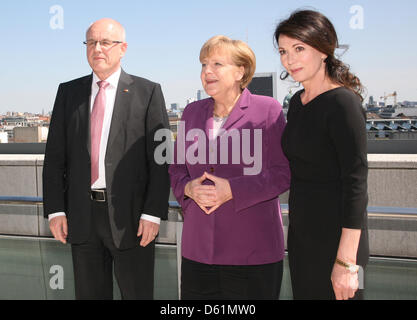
(246, 230)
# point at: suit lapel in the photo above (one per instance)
(83, 106)
(121, 104)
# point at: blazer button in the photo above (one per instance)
(211, 170)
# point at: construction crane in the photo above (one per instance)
(386, 96)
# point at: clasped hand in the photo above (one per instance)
(209, 197)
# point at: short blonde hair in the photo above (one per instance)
(242, 55)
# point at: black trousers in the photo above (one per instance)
(224, 282)
(94, 260)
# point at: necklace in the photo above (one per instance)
(216, 115)
(219, 119)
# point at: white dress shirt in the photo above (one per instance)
(111, 91)
(218, 124)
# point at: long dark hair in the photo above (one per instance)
(314, 29)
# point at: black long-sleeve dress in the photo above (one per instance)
(326, 144)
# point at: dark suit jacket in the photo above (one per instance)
(135, 183)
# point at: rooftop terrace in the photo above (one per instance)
(31, 261)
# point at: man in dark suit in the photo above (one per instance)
(103, 191)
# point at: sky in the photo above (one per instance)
(42, 46)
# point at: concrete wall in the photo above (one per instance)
(407, 144)
(21, 175)
(392, 180)
(394, 144)
(392, 183)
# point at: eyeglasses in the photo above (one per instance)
(103, 43)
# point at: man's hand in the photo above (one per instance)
(148, 230)
(59, 228)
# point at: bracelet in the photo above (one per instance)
(353, 268)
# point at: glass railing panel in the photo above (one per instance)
(392, 279)
(42, 269)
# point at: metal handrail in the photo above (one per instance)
(172, 204)
(373, 210)
(392, 210)
(21, 199)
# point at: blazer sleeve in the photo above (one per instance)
(347, 129)
(54, 165)
(274, 179)
(157, 191)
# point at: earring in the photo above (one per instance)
(284, 75)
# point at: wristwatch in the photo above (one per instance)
(352, 268)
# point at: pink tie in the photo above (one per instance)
(97, 116)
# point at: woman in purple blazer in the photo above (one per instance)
(227, 175)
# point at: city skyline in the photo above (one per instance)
(44, 43)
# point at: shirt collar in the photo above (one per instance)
(113, 80)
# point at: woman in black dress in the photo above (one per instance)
(326, 143)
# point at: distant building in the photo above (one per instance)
(174, 106)
(409, 103)
(15, 121)
(201, 94)
(387, 112)
(190, 100)
(264, 84)
(4, 137)
(373, 109)
(371, 101)
(30, 134)
(9, 131)
(407, 111)
(173, 118)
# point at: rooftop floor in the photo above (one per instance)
(30, 269)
